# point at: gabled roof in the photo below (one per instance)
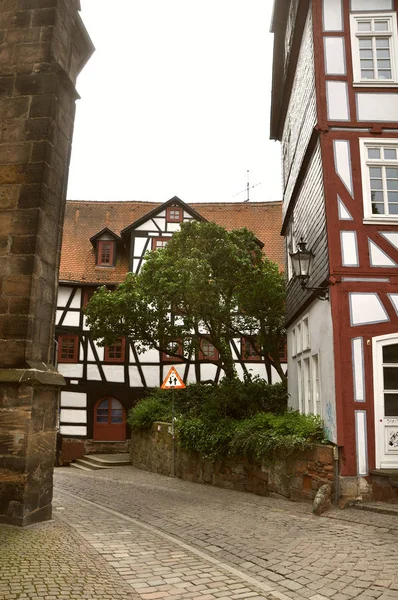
(172, 202)
(94, 237)
(84, 219)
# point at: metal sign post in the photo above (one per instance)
(173, 382)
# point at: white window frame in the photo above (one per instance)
(316, 385)
(300, 387)
(364, 144)
(305, 330)
(355, 19)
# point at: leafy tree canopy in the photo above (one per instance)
(206, 284)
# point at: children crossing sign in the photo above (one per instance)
(173, 381)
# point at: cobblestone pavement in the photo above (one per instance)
(51, 561)
(223, 544)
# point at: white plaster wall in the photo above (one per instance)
(72, 319)
(337, 101)
(139, 245)
(334, 56)
(73, 416)
(76, 299)
(172, 227)
(134, 377)
(321, 343)
(207, 371)
(73, 399)
(332, 15)
(71, 370)
(114, 373)
(63, 295)
(377, 107)
(93, 373)
(151, 375)
(73, 430)
(371, 5)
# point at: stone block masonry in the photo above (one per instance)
(297, 476)
(43, 47)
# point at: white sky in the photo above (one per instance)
(175, 102)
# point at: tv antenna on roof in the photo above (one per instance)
(248, 188)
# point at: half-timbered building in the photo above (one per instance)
(335, 110)
(102, 242)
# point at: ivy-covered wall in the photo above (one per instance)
(297, 476)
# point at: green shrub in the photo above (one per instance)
(150, 409)
(264, 435)
(259, 437)
(229, 400)
(233, 418)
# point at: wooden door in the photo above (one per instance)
(386, 401)
(109, 420)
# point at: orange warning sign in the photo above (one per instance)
(173, 381)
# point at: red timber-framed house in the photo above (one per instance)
(335, 110)
(103, 241)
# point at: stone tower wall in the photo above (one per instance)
(43, 47)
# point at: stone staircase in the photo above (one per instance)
(94, 462)
(384, 485)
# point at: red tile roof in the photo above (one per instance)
(83, 219)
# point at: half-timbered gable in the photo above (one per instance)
(103, 241)
(340, 164)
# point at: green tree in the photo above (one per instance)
(190, 291)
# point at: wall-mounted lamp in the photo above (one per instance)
(301, 262)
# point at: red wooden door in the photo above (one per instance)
(109, 420)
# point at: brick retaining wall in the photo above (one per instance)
(297, 476)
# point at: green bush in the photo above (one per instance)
(234, 418)
(150, 409)
(259, 437)
(229, 400)
(264, 435)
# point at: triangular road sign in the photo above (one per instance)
(173, 381)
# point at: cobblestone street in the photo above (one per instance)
(125, 533)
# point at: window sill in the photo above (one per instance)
(380, 221)
(104, 267)
(375, 84)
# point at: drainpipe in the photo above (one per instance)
(336, 475)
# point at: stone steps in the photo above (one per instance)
(94, 462)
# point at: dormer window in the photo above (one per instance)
(105, 253)
(174, 214)
(105, 243)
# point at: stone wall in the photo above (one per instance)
(43, 47)
(297, 476)
(71, 449)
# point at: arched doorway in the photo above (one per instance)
(109, 420)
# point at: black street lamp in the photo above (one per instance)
(301, 263)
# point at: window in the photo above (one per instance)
(290, 249)
(298, 338)
(174, 347)
(174, 214)
(307, 391)
(306, 334)
(207, 351)
(380, 178)
(283, 352)
(115, 352)
(374, 47)
(294, 346)
(316, 395)
(300, 387)
(68, 346)
(159, 242)
(105, 253)
(248, 352)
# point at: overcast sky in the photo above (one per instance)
(175, 102)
